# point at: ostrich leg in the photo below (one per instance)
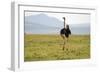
(64, 44)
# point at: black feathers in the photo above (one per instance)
(65, 31)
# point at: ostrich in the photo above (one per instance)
(65, 32)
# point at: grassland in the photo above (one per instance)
(49, 47)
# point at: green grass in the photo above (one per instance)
(49, 47)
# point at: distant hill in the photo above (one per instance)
(44, 20)
(44, 24)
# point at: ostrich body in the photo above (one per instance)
(65, 32)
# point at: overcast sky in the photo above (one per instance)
(73, 19)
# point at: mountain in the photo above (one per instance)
(44, 20)
(44, 24)
(40, 29)
(80, 29)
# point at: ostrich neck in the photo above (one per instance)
(64, 24)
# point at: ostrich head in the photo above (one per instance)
(64, 18)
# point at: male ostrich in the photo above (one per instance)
(65, 32)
